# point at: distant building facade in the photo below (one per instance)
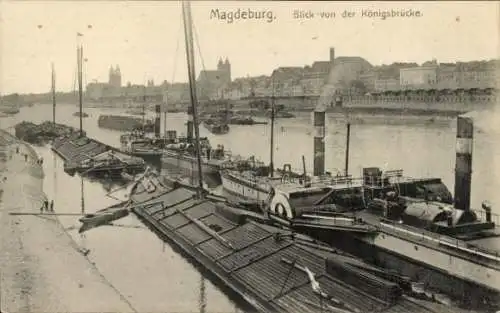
(419, 77)
(212, 84)
(349, 76)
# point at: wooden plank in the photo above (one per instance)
(207, 230)
(51, 214)
(189, 222)
(244, 247)
(173, 210)
(263, 256)
(220, 233)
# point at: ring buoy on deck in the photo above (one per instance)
(281, 207)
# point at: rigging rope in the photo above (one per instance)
(75, 74)
(199, 52)
(198, 46)
(179, 32)
(84, 74)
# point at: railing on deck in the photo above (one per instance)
(333, 181)
(481, 214)
(425, 235)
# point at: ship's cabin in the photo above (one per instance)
(422, 203)
(324, 195)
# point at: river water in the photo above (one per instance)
(156, 278)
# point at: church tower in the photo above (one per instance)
(227, 69)
(111, 80)
(118, 77)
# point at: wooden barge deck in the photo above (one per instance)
(77, 150)
(263, 264)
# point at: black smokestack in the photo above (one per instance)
(190, 124)
(463, 166)
(157, 121)
(319, 143)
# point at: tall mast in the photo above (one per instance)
(188, 32)
(347, 149)
(165, 110)
(271, 162)
(80, 88)
(144, 111)
(53, 95)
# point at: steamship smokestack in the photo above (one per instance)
(327, 94)
(190, 124)
(319, 142)
(463, 166)
(157, 121)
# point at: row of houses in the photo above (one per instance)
(347, 75)
(432, 75)
(354, 75)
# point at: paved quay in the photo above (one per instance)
(42, 269)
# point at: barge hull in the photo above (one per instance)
(242, 189)
(178, 164)
(253, 261)
(473, 294)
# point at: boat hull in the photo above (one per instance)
(101, 218)
(173, 163)
(458, 277)
(243, 188)
(217, 129)
(152, 158)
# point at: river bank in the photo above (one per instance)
(43, 269)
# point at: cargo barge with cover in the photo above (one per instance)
(272, 269)
(124, 123)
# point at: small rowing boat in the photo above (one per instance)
(104, 217)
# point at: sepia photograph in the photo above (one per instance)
(249, 156)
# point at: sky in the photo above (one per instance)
(146, 38)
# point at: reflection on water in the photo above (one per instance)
(159, 279)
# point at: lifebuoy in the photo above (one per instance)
(281, 207)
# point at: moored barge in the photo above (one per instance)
(91, 157)
(124, 123)
(271, 269)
